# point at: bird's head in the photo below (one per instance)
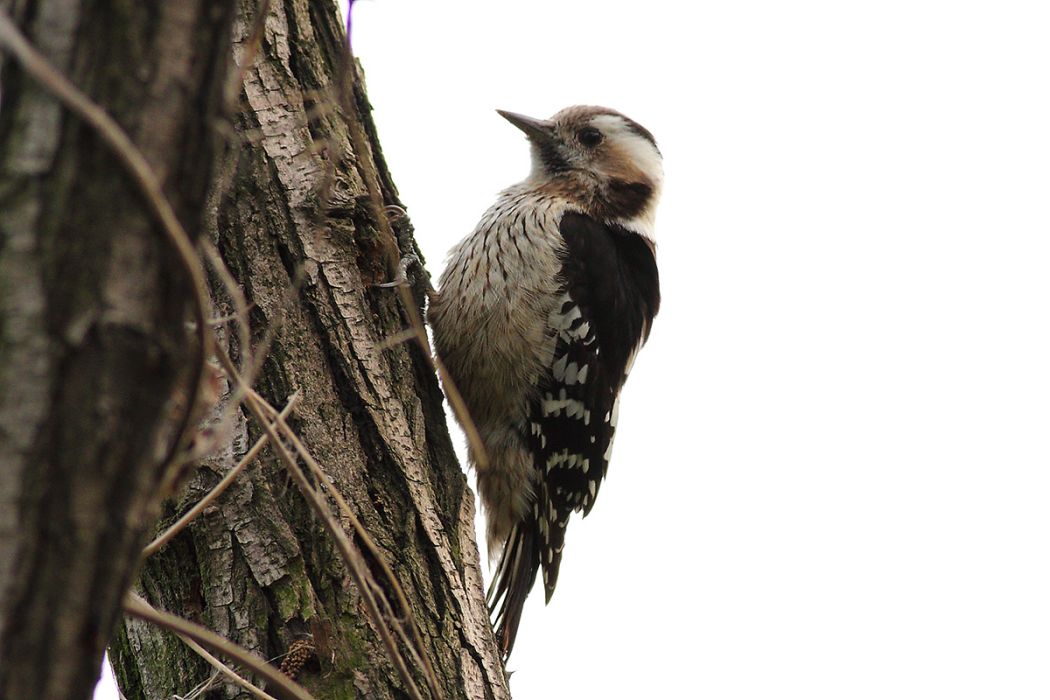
(607, 164)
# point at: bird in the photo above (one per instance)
(539, 315)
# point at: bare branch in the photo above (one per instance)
(356, 565)
(210, 497)
(398, 338)
(224, 669)
(417, 648)
(380, 214)
(135, 606)
(240, 305)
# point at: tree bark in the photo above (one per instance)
(290, 210)
(93, 306)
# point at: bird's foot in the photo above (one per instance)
(401, 278)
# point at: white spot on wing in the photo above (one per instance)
(558, 368)
(633, 356)
(574, 408)
(564, 321)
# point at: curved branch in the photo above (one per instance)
(135, 606)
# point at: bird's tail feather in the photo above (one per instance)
(515, 575)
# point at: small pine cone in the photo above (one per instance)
(301, 651)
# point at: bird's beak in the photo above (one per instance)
(538, 130)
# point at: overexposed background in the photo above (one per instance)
(832, 473)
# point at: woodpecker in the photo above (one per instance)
(539, 316)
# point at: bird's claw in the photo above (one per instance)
(401, 278)
(395, 211)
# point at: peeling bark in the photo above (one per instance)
(257, 567)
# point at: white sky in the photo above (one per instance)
(831, 474)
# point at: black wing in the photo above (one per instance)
(610, 296)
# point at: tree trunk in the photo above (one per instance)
(94, 347)
(291, 216)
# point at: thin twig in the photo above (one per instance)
(396, 339)
(244, 339)
(209, 497)
(249, 370)
(240, 303)
(356, 565)
(135, 606)
(251, 360)
(233, 401)
(199, 689)
(223, 320)
(398, 624)
(147, 181)
(224, 669)
(370, 175)
(419, 651)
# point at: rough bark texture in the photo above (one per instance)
(257, 567)
(93, 304)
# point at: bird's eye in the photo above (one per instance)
(589, 136)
